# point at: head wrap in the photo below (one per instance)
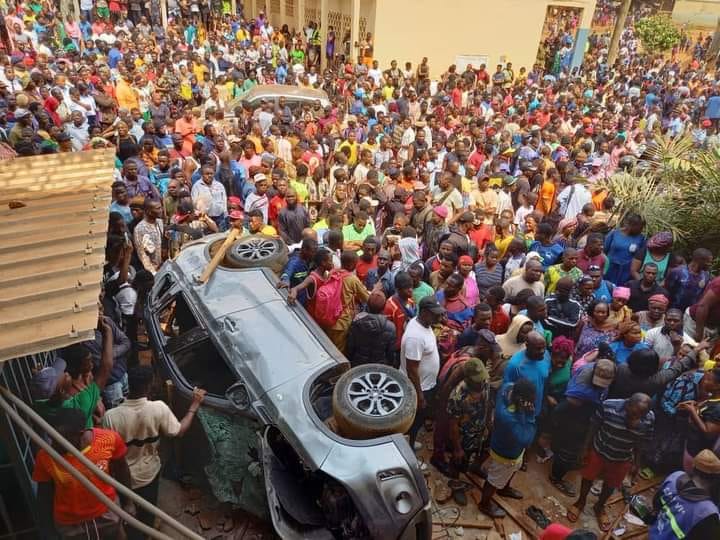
(621, 292)
(563, 345)
(465, 259)
(659, 299)
(661, 240)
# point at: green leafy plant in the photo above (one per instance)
(657, 33)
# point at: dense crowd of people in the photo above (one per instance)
(458, 229)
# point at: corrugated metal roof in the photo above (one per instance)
(52, 249)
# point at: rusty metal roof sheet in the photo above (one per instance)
(53, 224)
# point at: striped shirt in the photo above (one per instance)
(615, 440)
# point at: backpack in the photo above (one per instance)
(328, 299)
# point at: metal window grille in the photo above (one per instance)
(18, 520)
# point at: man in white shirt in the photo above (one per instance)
(572, 199)
(209, 196)
(420, 359)
(141, 422)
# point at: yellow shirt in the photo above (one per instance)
(352, 160)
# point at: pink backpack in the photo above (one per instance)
(328, 299)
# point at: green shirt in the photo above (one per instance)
(555, 272)
(351, 235)
(421, 291)
(85, 400)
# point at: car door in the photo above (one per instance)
(190, 358)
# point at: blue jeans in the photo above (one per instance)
(114, 394)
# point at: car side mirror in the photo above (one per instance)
(238, 395)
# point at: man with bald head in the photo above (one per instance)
(532, 363)
(372, 335)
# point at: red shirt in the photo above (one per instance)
(73, 503)
(482, 236)
(277, 203)
(395, 312)
(362, 267)
(584, 261)
(500, 321)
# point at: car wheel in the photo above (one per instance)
(373, 400)
(257, 250)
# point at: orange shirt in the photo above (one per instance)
(546, 200)
(72, 502)
(126, 95)
(188, 131)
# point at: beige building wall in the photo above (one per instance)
(458, 30)
(697, 12)
(447, 32)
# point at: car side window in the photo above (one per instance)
(176, 317)
(190, 348)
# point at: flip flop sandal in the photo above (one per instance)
(604, 524)
(538, 516)
(572, 514)
(566, 488)
(443, 494)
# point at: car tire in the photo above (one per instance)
(373, 400)
(257, 250)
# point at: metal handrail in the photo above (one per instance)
(122, 489)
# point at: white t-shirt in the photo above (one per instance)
(141, 423)
(419, 344)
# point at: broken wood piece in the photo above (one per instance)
(467, 524)
(233, 235)
(619, 496)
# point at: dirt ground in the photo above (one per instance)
(196, 508)
(453, 521)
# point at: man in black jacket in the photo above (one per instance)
(371, 338)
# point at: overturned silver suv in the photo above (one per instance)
(278, 396)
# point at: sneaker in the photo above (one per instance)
(596, 488)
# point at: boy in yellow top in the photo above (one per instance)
(567, 268)
(256, 225)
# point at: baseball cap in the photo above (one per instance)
(430, 303)
(236, 214)
(45, 381)
(259, 177)
(604, 373)
(509, 180)
(475, 371)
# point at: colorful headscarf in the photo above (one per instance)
(661, 240)
(563, 345)
(659, 299)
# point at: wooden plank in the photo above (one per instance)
(38, 199)
(47, 288)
